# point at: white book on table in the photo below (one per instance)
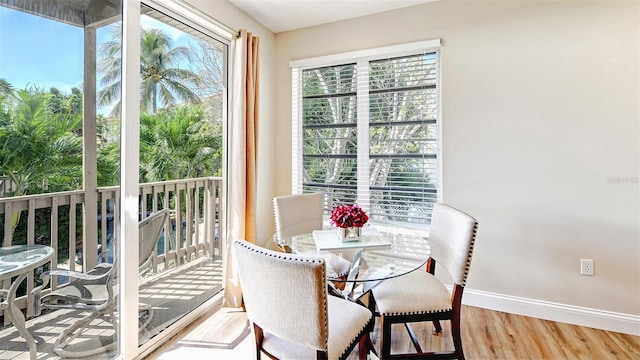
(329, 240)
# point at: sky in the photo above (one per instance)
(46, 53)
(38, 51)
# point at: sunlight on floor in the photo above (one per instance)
(203, 340)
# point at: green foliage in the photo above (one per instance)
(7, 91)
(108, 164)
(7, 99)
(179, 143)
(74, 102)
(41, 151)
(41, 133)
(402, 133)
(108, 156)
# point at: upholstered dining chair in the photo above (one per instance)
(295, 215)
(420, 296)
(293, 317)
(300, 214)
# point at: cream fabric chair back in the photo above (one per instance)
(451, 239)
(284, 294)
(297, 214)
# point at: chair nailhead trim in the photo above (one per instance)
(283, 256)
(289, 257)
(354, 341)
(470, 254)
(417, 312)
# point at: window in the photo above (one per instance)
(366, 130)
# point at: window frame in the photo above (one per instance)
(361, 58)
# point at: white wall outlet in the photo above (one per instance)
(586, 267)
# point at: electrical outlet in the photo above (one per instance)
(586, 267)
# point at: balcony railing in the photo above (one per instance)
(55, 219)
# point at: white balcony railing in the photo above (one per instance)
(55, 219)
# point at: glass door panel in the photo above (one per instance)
(60, 92)
(59, 177)
(182, 113)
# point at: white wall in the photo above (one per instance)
(231, 16)
(540, 141)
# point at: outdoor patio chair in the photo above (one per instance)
(293, 317)
(95, 291)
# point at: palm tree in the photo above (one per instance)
(7, 97)
(178, 144)
(6, 89)
(108, 143)
(162, 80)
(41, 152)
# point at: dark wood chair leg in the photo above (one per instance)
(259, 337)
(437, 326)
(455, 334)
(385, 338)
(363, 347)
(414, 337)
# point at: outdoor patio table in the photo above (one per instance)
(18, 261)
(383, 252)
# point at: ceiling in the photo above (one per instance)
(283, 15)
(73, 12)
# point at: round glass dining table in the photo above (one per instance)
(381, 253)
(16, 262)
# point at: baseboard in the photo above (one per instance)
(599, 319)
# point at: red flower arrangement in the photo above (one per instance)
(345, 216)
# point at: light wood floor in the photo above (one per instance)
(487, 334)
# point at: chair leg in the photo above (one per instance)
(146, 319)
(414, 338)
(259, 337)
(75, 330)
(437, 326)
(455, 334)
(363, 346)
(385, 337)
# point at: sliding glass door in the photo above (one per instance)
(115, 112)
(182, 113)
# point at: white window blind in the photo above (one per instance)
(366, 131)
